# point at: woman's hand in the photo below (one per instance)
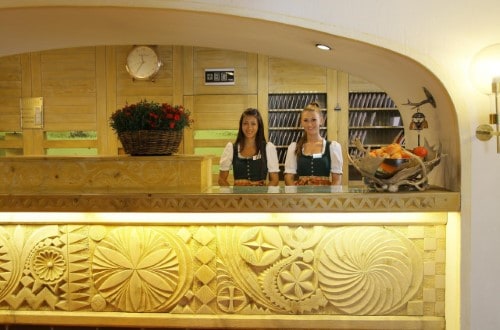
(244, 182)
(290, 179)
(302, 181)
(223, 175)
(274, 179)
(336, 179)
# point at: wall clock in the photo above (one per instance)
(143, 63)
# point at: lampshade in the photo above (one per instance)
(485, 68)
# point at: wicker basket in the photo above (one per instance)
(151, 142)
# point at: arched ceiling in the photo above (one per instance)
(41, 28)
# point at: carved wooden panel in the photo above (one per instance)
(315, 273)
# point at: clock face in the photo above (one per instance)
(143, 62)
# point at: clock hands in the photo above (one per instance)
(140, 64)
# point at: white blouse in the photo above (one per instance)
(226, 159)
(336, 160)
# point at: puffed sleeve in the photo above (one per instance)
(291, 159)
(272, 158)
(336, 157)
(226, 159)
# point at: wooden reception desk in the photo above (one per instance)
(148, 242)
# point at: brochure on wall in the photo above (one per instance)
(31, 112)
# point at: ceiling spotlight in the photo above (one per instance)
(323, 47)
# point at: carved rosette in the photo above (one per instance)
(368, 270)
(140, 270)
(48, 264)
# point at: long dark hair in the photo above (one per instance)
(313, 106)
(260, 139)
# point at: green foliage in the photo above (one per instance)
(150, 115)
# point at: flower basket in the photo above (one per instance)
(151, 142)
(150, 128)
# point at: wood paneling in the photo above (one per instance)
(287, 76)
(68, 80)
(221, 111)
(83, 86)
(245, 71)
(10, 92)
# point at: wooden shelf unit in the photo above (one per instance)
(375, 120)
(284, 118)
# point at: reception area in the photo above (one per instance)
(95, 237)
(94, 252)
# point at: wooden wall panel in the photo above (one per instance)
(111, 145)
(221, 111)
(245, 71)
(357, 84)
(82, 87)
(10, 92)
(68, 79)
(287, 76)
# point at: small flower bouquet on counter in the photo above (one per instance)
(392, 167)
(150, 128)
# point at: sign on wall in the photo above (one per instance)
(219, 76)
(31, 112)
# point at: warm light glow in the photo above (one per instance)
(323, 47)
(172, 218)
(485, 68)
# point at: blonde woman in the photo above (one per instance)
(313, 160)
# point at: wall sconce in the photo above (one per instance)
(486, 70)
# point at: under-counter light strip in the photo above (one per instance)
(180, 218)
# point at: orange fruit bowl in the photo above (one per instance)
(389, 166)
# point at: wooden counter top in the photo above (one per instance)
(180, 183)
(433, 200)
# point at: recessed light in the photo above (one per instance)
(323, 47)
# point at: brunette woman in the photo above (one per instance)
(313, 160)
(252, 159)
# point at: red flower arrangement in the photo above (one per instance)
(150, 115)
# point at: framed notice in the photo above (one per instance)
(219, 76)
(31, 112)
